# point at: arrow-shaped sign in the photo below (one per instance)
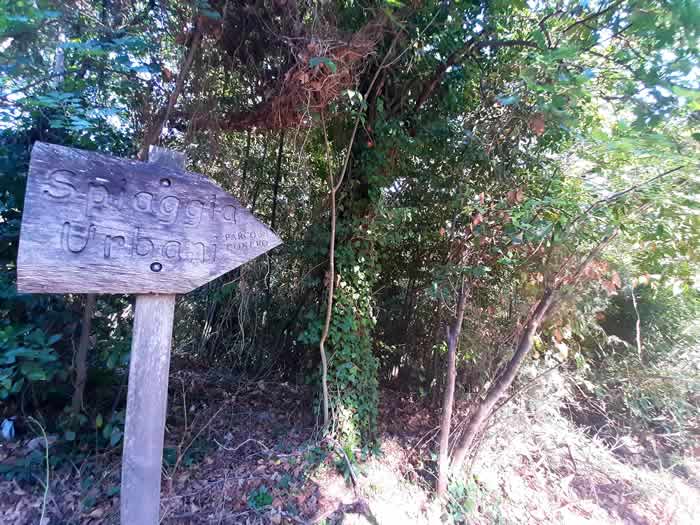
(99, 224)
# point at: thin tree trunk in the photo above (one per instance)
(638, 330)
(436, 376)
(152, 134)
(453, 333)
(256, 185)
(245, 162)
(59, 65)
(276, 186)
(273, 219)
(428, 353)
(485, 407)
(81, 355)
(331, 284)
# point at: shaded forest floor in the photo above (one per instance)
(247, 453)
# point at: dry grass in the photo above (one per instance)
(539, 468)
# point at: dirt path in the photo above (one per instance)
(246, 453)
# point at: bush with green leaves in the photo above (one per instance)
(27, 357)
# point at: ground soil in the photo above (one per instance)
(248, 452)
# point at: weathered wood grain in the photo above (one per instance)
(146, 404)
(99, 224)
(147, 395)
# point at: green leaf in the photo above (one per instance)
(115, 437)
(507, 100)
(317, 61)
(50, 14)
(36, 375)
(539, 38)
(211, 14)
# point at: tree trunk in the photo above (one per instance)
(276, 186)
(332, 188)
(256, 184)
(81, 355)
(638, 330)
(485, 407)
(436, 377)
(245, 162)
(428, 357)
(453, 333)
(273, 219)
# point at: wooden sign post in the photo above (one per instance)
(99, 224)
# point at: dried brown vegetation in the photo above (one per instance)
(312, 65)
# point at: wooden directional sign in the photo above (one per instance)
(99, 224)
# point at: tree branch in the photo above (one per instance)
(439, 74)
(592, 16)
(456, 58)
(618, 195)
(151, 135)
(495, 44)
(35, 83)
